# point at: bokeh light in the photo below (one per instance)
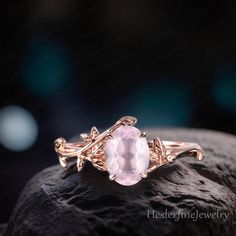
(163, 103)
(18, 128)
(47, 68)
(224, 89)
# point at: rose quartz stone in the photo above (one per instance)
(127, 155)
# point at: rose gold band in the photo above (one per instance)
(92, 148)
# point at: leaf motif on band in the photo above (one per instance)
(159, 147)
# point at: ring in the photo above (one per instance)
(123, 151)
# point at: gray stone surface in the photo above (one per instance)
(2, 228)
(61, 201)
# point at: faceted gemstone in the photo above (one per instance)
(127, 155)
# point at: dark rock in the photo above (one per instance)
(2, 228)
(61, 201)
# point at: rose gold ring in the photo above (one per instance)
(123, 151)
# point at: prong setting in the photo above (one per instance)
(143, 135)
(112, 177)
(143, 175)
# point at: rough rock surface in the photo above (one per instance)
(60, 201)
(2, 228)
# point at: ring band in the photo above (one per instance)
(123, 151)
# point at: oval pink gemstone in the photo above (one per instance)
(127, 155)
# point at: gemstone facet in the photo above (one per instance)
(127, 155)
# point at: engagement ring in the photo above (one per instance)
(123, 151)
